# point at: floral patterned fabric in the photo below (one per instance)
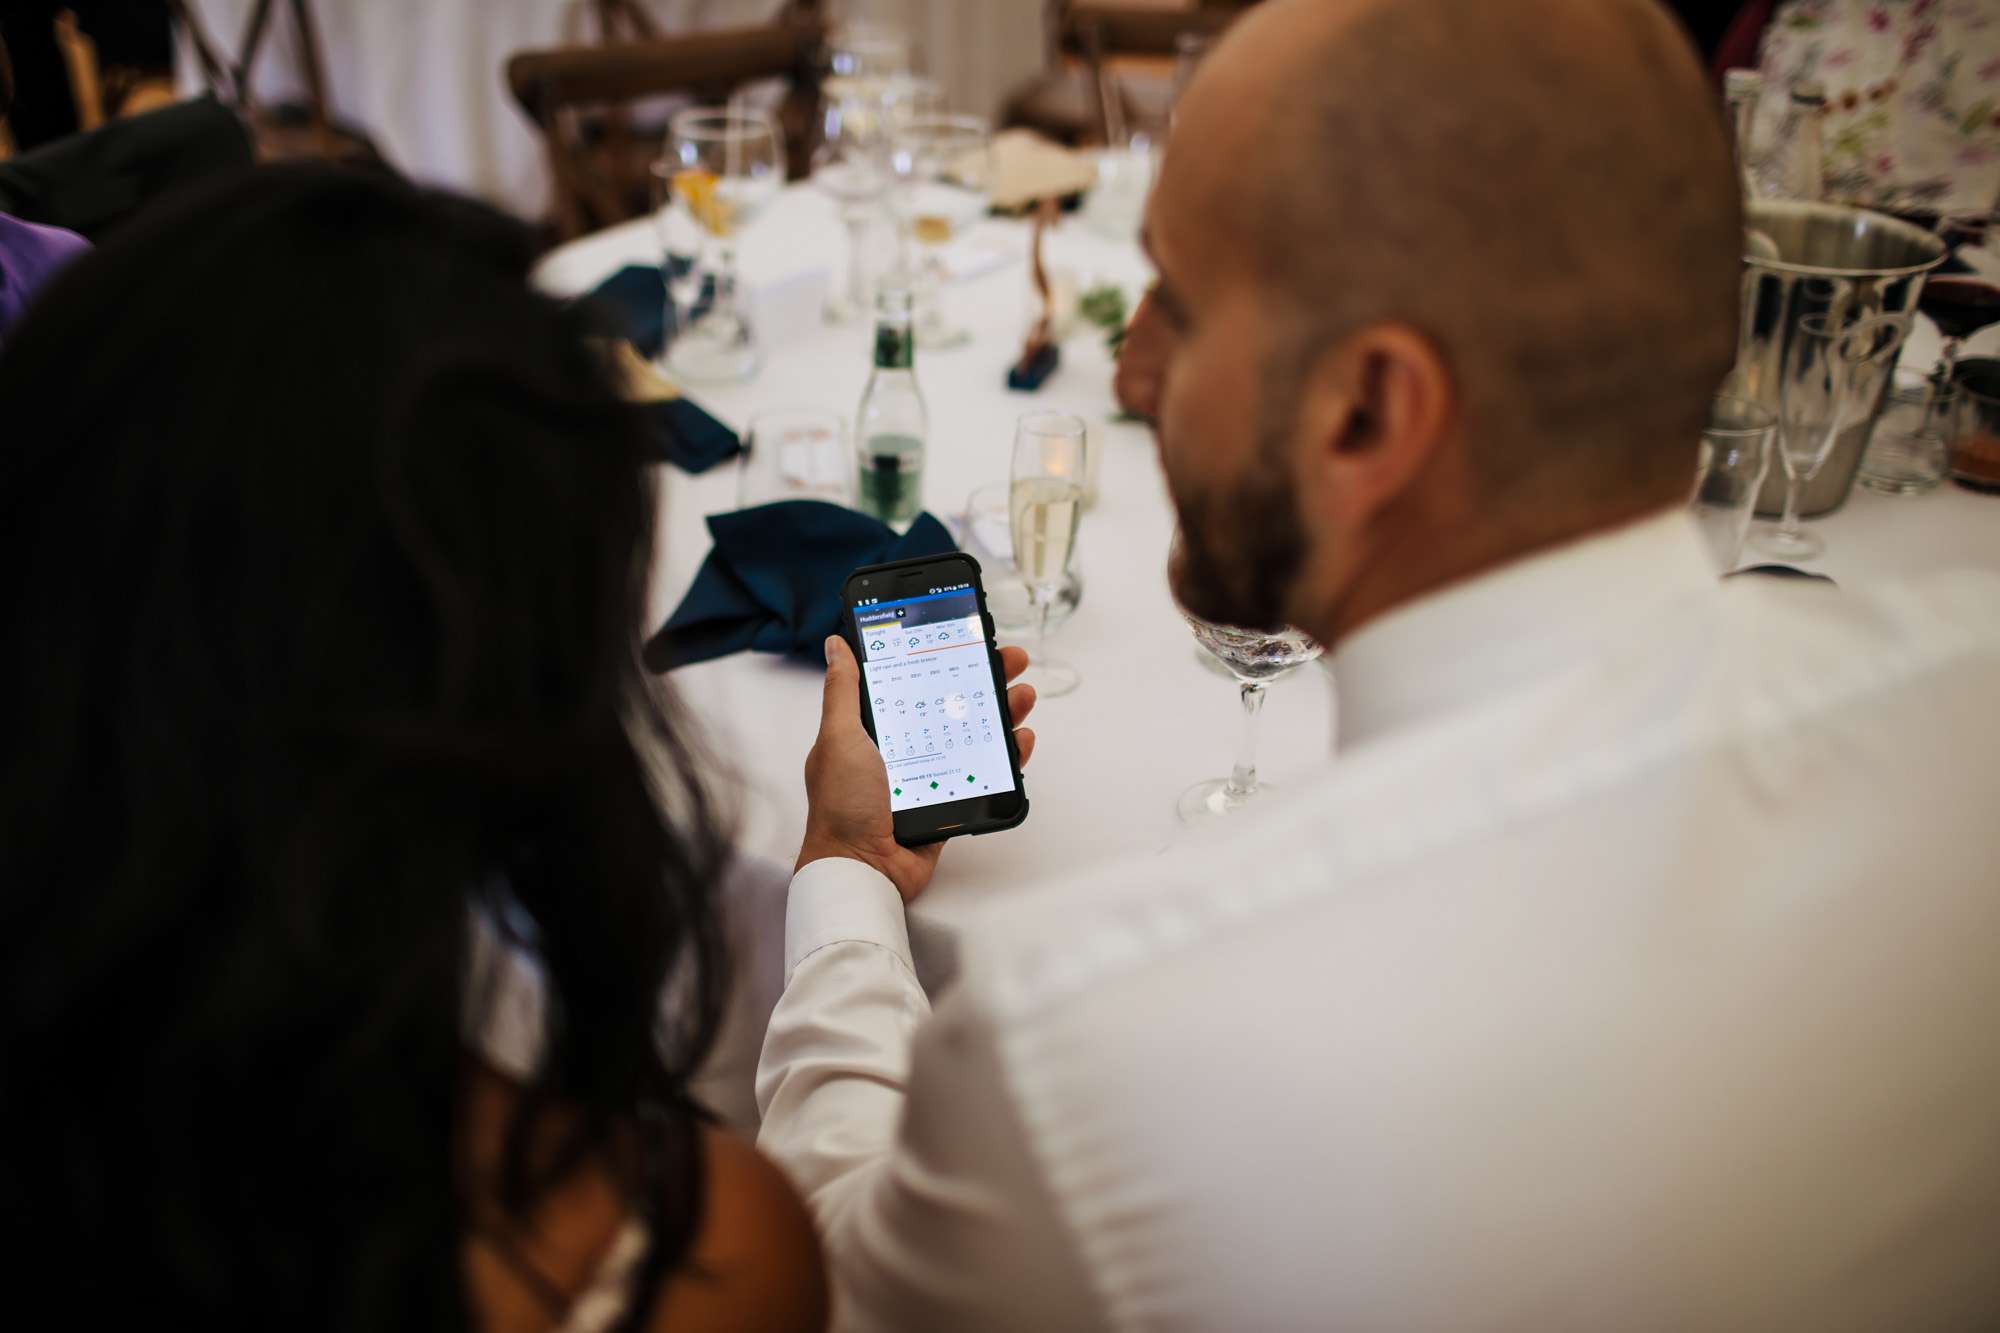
(1912, 92)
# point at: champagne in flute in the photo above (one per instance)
(1044, 507)
(1043, 513)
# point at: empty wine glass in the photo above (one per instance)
(1829, 378)
(865, 49)
(1254, 658)
(721, 168)
(1044, 510)
(852, 166)
(941, 165)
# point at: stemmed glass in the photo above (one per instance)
(941, 165)
(721, 168)
(851, 165)
(1254, 659)
(1044, 510)
(862, 49)
(1829, 378)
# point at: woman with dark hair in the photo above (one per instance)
(323, 542)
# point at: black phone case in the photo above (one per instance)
(847, 631)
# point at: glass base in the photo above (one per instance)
(1774, 540)
(1889, 483)
(1904, 463)
(705, 359)
(1207, 802)
(1051, 678)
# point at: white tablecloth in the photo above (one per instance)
(1149, 719)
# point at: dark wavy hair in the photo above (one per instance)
(323, 543)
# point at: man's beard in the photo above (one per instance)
(1241, 551)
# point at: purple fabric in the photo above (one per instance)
(29, 255)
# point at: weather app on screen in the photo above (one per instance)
(937, 709)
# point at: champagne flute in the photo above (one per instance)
(720, 170)
(941, 166)
(1254, 658)
(1830, 376)
(1044, 509)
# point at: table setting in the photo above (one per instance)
(1144, 714)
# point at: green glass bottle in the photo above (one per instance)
(891, 425)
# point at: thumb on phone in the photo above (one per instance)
(840, 705)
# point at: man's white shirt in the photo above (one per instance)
(1637, 965)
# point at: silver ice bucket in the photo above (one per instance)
(1821, 259)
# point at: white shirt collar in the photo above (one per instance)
(1480, 637)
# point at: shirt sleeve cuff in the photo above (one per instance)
(836, 900)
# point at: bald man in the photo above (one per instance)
(1632, 968)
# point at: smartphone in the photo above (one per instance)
(934, 698)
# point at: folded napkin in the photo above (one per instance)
(634, 303)
(690, 438)
(772, 583)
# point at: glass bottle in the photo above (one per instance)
(891, 425)
(1796, 167)
(1743, 88)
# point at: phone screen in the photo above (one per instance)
(938, 711)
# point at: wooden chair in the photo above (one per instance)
(600, 176)
(281, 131)
(1084, 99)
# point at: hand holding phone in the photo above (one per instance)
(848, 784)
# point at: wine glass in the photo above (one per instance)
(941, 165)
(851, 165)
(1830, 375)
(721, 168)
(1254, 658)
(1044, 510)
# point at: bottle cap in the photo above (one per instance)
(1741, 83)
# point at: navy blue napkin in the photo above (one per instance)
(691, 439)
(634, 303)
(772, 583)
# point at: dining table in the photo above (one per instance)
(1151, 716)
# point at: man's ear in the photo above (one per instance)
(1377, 409)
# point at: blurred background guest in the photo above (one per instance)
(324, 585)
(1912, 88)
(29, 254)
